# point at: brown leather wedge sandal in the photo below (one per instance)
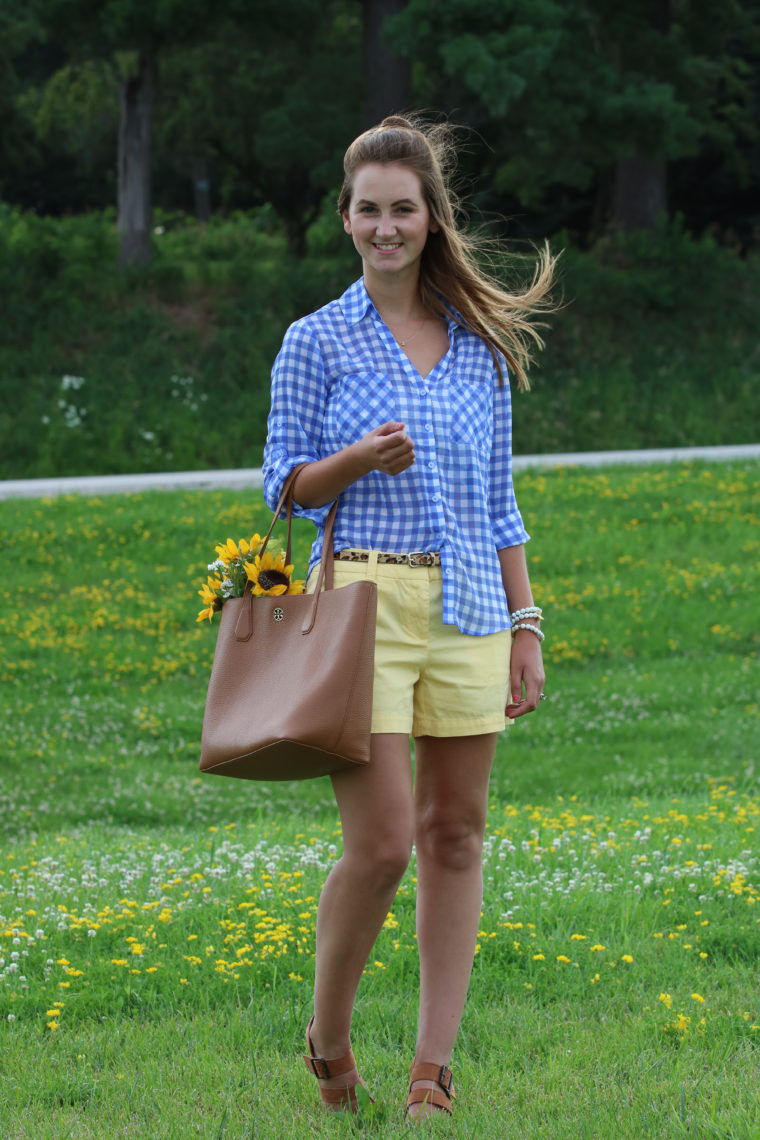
(439, 1097)
(340, 1099)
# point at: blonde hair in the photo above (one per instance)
(451, 267)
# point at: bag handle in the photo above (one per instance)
(244, 628)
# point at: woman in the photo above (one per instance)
(396, 396)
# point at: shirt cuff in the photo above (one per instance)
(274, 480)
(509, 531)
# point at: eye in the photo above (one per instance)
(367, 210)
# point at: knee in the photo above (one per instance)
(382, 863)
(456, 844)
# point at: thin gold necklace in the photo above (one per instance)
(404, 343)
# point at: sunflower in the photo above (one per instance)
(270, 576)
(230, 550)
(209, 593)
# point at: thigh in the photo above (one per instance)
(376, 802)
(451, 779)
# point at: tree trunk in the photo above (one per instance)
(387, 77)
(201, 188)
(640, 193)
(137, 99)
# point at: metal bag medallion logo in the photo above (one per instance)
(278, 614)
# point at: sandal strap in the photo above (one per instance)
(430, 1096)
(322, 1068)
(344, 1097)
(427, 1071)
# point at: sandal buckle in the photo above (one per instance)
(315, 1063)
(446, 1080)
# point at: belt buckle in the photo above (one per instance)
(418, 554)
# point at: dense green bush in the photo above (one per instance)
(167, 368)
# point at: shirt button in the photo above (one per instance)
(436, 498)
(428, 427)
(431, 465)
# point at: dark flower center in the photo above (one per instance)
(270, 578)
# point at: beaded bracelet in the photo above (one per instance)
(533, 629)
(533, 612)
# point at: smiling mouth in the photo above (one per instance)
(387, 247)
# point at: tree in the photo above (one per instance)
(136, 34)
(387, 73)
(584, 96)
(273, 109)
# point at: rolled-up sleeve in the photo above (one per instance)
(506, 520)
(294, 427)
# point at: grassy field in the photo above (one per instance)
(156, 926)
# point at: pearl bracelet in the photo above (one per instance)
(533, 612)
(532, 628)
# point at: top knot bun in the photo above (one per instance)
(398, 122)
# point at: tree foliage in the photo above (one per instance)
(565, 100)
(565, 91)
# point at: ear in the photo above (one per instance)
(433, 228)
(346, 222)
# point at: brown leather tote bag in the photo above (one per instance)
(290, 694)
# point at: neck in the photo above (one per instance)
(396, 298)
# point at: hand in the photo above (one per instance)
(526, 674)
(387, 448)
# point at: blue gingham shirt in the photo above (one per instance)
(338, 375)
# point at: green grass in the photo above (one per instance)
(169, 917)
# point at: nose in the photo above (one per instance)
(385, 226)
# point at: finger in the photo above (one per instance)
(389, 428)
(392, 442)
(396, 460)
(398, 464)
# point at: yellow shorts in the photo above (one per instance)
(430, 679)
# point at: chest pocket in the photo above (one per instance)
(360, 402)
(470, 404)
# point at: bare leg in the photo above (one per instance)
(451, 798)
(376, 810)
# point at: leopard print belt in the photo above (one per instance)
(414, 558)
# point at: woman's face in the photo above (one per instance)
(388, 218)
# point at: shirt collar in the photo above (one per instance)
(356, 302)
